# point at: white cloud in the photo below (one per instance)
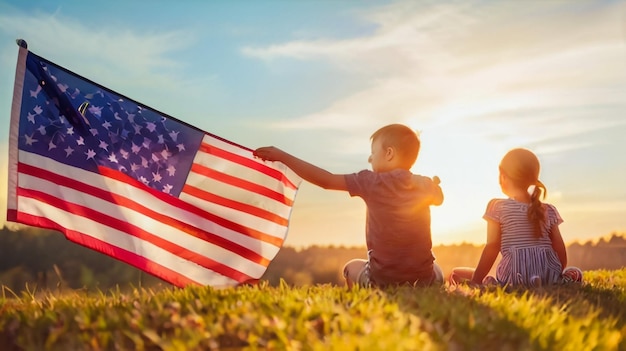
(477, 79)
(401, 38)
(148, 66)
(487, 59)
(120, 48)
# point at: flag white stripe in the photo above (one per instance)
(237, 150)
(122, 240)
(251, 175)
(268, 228)
(159, 229)
(287, 172)
(171, 234)
(162, 207)
(247, 219)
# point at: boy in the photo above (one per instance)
(397, 229)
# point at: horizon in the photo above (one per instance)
(317, 78)
(592, 241)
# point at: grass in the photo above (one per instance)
(591, 316)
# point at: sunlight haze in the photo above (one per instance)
(317, 78)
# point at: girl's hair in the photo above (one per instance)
(522, 167)
(403, 139)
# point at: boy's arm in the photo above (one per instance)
(305, 170)
(431, 186)
(437, 192)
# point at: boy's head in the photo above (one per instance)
(394, 146)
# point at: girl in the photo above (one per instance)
(523, 229)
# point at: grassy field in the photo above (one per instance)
(591, 316)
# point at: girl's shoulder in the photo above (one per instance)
(496, 206)
(549, 206)
(551, 210)
(498, 202)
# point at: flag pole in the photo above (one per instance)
(21, 43)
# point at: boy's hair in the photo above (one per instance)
(403, 139)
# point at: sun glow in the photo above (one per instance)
(466, 163)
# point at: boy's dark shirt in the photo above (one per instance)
(397, 229)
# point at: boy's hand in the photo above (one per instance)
(436, 180)
(269, 153)
(303, 169)
(431, 185)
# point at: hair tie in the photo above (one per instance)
(540, 185)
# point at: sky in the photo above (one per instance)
(317, 78)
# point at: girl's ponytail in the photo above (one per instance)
(536, 211)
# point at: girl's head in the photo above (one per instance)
(521, 169)
(521, 166)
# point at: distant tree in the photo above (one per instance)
(47, 260)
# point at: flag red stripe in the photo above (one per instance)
(197, 232)
(244, 161)
(111, 250)
(239, 206)
(11, 215)
(250, 232)
(241, 183)
(125, 202)
(135, 231)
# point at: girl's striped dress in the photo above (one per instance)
(524, 255)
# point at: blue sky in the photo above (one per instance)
(316, 78)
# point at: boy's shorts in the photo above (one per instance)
(358, 271)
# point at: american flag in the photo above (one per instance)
(133, 183)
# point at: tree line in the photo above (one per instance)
(38, 259)
(318, 265)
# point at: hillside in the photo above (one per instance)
(584, 317)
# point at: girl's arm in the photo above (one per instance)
(490, 252)
(558, 245)
(305, 170)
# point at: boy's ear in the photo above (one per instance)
(390, 152)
